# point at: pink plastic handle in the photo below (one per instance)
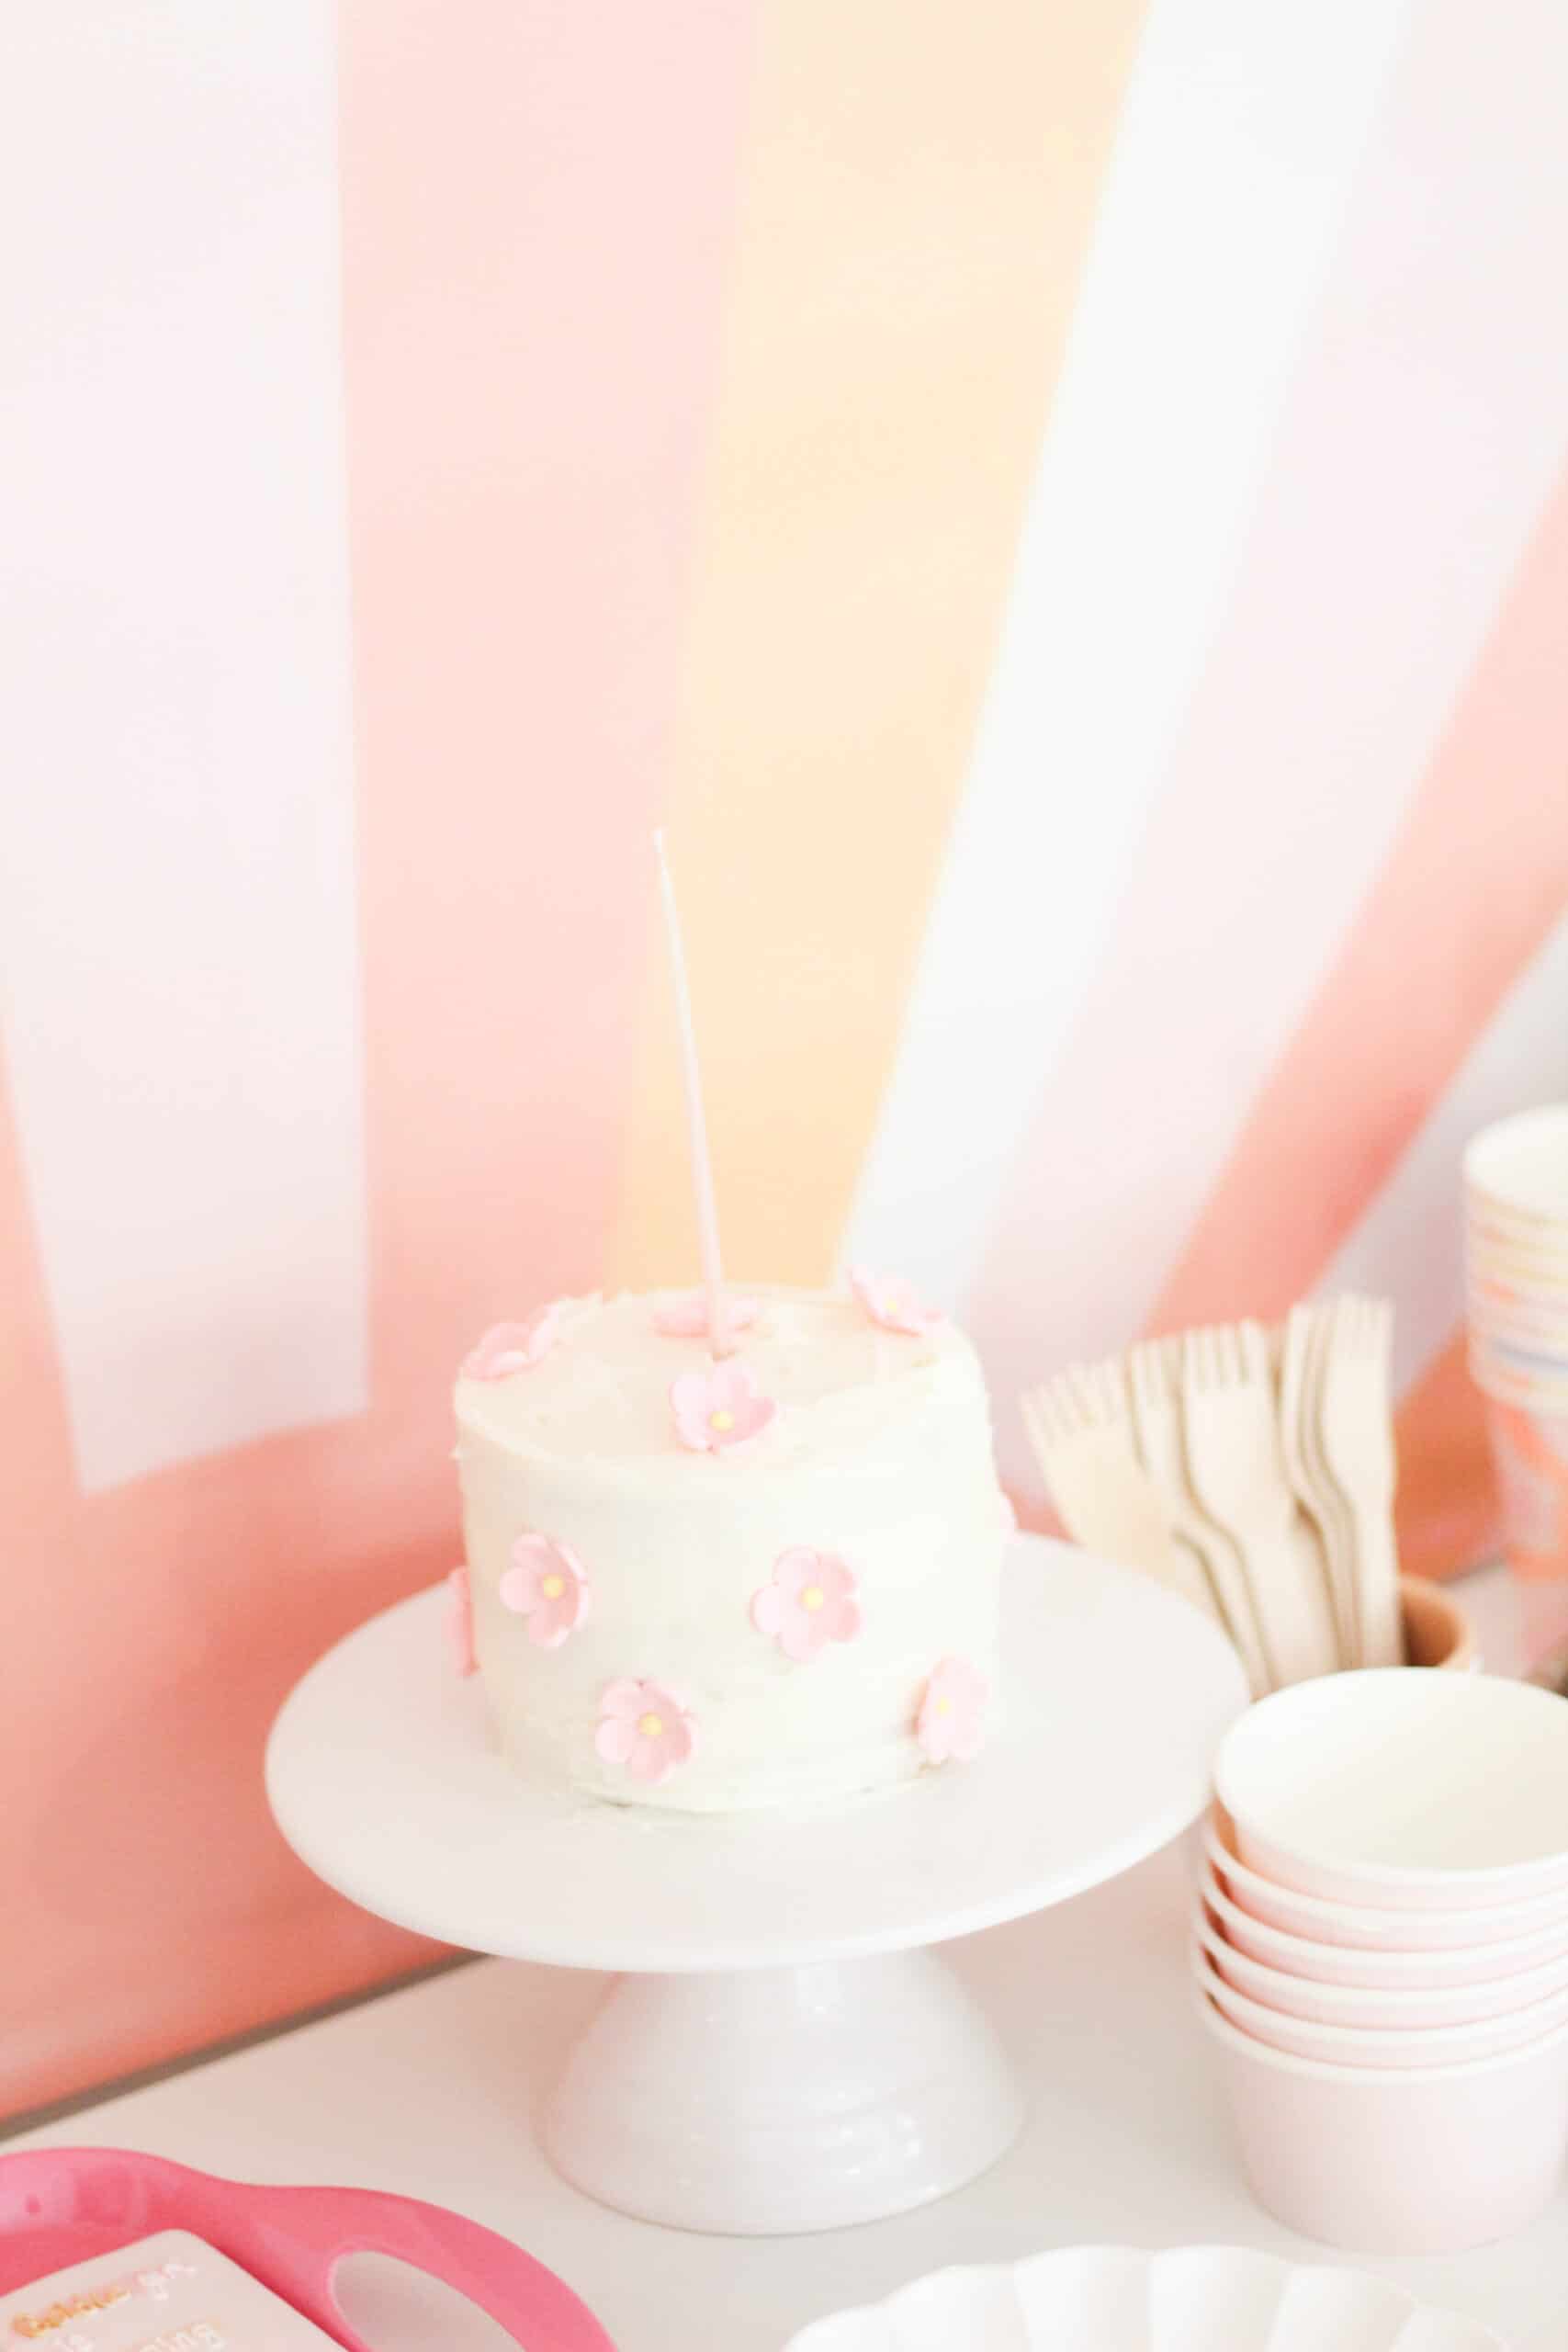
(64, 2205)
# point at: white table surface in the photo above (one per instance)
(427, 2092)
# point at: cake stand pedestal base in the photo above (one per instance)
(782, 2053)
(769, 2100)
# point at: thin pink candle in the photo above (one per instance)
(720, 1339)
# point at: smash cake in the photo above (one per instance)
(766, 1580)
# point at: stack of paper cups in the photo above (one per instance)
(1515, 1208)
(1381, 1952)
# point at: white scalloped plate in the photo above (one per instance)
(1114, 2299)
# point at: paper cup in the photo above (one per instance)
(1531, 1260)
(1507, 1383)
(1522, 1364)
(1517, 1374)
(1421, 2161)
(1516, 1187)
(1518, 1362)
(1365, 1927)
(1513, 1277)
(1488, 1965)
(1381, 2052)
(1381, 1788)
(1396, 2009)
(1530, 1456)
(1518, 1169)
(1499, 1314)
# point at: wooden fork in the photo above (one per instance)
(1355, 1430)
(1082, 1438)
(1310, 1482)
(1155, 1368)
(1237, 1463)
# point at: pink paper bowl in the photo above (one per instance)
(1492, 1965)
(1417, 2160)
(1344, 2045)
(1399, 2010)
(1382, 1787)
(1361, 1928)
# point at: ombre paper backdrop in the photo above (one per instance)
(1061, 507)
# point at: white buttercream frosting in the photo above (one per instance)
(880, 1454)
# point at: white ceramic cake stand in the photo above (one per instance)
(780, 2052)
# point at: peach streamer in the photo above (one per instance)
(918, 196)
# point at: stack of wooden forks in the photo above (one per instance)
(1250, 1470)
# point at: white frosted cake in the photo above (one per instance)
(768, 1582)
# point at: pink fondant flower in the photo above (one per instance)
(809, 1601)
(644, 1726)
(460, 1622)
(687, 1317)
(893, 1303)
(546, 1584)
(951, 1720)
(718, 1409)
(507, 1348)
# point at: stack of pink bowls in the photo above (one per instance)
(1381, 1946)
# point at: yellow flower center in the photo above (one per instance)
(944, 1706)
(813, 1596)
(651, 1725)
(721, 1419)
(553, 1587)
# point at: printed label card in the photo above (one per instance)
(168, 2294)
